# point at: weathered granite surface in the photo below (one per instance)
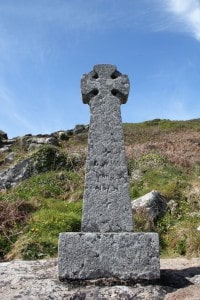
(121, 255)
(34, 280)
(107, 247)
(152, 203)
(107, 206)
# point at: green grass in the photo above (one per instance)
(46, 224)
(164, 125)
(180, 235)
(39, 237)
(48, 194)
(46, 185)
(178, 228)
(153, 130)
(33, 213)
(157, 174)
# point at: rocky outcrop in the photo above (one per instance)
(67, 134)
(30, 143)
(5, 145)
(32, 163)
(3, 148)
(153, 204)
(180, 279)
(16, 173)
(36, 142)
(3, 135)
(45, 159)
(10, 157)
(33, 142)
(79, 129)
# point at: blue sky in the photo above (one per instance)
(46, 46)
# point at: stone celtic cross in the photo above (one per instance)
(107, 247)
(107, 206)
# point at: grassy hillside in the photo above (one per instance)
(162, 155)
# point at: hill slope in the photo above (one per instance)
(42, 182)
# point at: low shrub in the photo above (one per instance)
(41, 236)
(180, 235)
(13, 216)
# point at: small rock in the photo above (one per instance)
(154, 204)
(10, 157)
(136, 175)
(78, 129)
(51, 141)
(35, 142)
(62, 135)
(172, 206)
(4, 149)
(70, 132)
(34, 146)
(23, 141)
(3, 135)
(10, 141)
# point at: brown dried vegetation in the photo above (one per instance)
(12, 216)
(162, 155)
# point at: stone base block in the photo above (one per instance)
(123, 256)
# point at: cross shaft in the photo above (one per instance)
(107, 206)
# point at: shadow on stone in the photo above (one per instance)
(178, 278)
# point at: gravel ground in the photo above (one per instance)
(31, 280)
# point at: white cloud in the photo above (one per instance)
(188, 14)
